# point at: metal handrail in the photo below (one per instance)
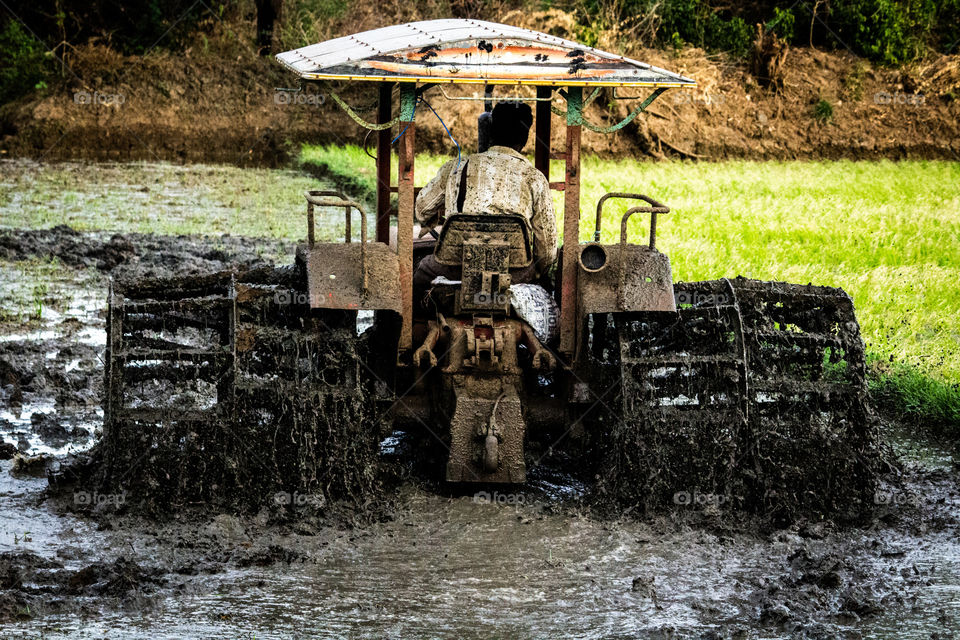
(654, 210)
(337, 199)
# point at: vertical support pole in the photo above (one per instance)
(405, 203)
(541, 146)
(311, 237)
(571, 226)
(384, 114)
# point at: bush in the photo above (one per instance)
(888, 31)
(697, 23)
(24, 62)
(130, 26)
(691, 21)
(783, 23)
(823, 112)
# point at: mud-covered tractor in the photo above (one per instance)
(663, 392)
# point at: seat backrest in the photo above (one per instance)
(501, 229)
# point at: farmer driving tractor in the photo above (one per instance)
(497, 181)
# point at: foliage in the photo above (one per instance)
(690, 21)
(23, 62)
(783, 23)
(823, 111)
(888, 31)
(697, 23)
(130, 26)
(305, 21)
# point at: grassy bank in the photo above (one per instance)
(888, 233)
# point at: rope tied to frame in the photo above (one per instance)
(619, 125)
(360, 121)
(387, 125)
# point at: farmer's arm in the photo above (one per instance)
(543, 224)
(430, 201)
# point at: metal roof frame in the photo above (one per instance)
(459, 51)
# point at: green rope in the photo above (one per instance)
(620, 125)
(360, 121)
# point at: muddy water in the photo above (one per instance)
(525, 564)
(449, 567)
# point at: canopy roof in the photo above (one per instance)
(471, 51)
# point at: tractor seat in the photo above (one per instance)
(488, 249)
(510, 229)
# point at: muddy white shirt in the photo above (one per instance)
(499, 180)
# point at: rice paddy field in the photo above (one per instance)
(886, 232)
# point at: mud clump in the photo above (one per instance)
(53, 432)
(820, 590)
(115, 579)
(133, 255)
(33, 586)
(35, 466)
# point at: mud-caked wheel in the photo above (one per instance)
(230, 389)
(752, 395)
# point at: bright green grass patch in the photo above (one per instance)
(886, 232)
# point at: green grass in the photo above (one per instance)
(887, 232)
(37, 287)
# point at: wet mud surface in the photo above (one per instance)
(534, 562)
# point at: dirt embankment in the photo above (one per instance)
(195, 106)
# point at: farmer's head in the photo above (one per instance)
(511, 124)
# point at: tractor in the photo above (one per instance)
(747, 389)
